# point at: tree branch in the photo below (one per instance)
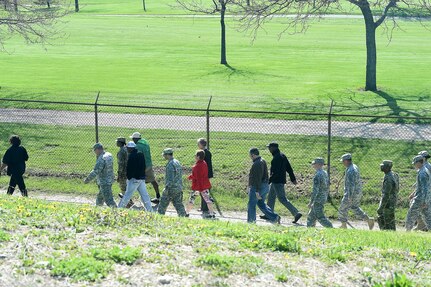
(382, 18)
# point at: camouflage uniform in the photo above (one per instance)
(318, 200)
(386, 210)
(352, 195)
(420, 223)
(420, 204)
(173, 188)
(104, 173)
(122, 167)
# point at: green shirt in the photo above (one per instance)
(143, 147)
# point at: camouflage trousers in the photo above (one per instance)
(416, 211)
(316, 213)
(122, 182)
(386, 219)
(352, 204)
(105, 196)
(176, 197)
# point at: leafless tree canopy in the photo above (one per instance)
(34, 21)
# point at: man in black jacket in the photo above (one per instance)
(279, 167)
(202, 144)
(136, 177)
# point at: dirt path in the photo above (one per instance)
(230, 216)
(220, 124)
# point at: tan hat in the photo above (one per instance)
(131, 144)
(387, 163)
(417, 159)
(168, 151)
(136, 135)
(424, 153)
(346, 156)
(97, 146)
(318, 160)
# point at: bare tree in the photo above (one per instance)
(76, 5)
(31, 21)
(298, 14)
(211, 8)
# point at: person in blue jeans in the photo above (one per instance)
(258, 189)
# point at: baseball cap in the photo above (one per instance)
(346, 156)
(135, 135)
(131, 144)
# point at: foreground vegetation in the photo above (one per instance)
(46, 243)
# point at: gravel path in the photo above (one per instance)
(220, 124)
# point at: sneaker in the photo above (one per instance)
(264, 217)
(155, 200)
(370, 223)
(297, 217)
(120, 195)
(187, 215)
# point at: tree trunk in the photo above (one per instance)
(76, 5)
(143, 5)
(248, 2)
(370, 35)
(223, 60)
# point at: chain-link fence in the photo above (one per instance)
(59, 138)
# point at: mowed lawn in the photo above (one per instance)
(174, 62)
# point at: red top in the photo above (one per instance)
(199, 176)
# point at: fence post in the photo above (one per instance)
(96, 117)
(208, 122)
(329, 140)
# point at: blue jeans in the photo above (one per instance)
(133, 185)
(253, 201)
(277, 191)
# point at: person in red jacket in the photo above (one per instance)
(200, 183)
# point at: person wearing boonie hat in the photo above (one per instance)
(319, 196)
(390, 188)
(136, 177)
(103, 171)
(122, 165)
(352, 193)
(173, 191)
(421, 198)
(143, 146)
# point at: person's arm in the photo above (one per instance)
(257, 172)
(276, 165)
(386, 193)
(100, 164)
(170, 175)
(316, 187)
(25, 154)
(289, 170)
(129, 167)
(349, 184)
(122, 164)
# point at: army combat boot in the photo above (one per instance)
(10, 190)
(24, 193)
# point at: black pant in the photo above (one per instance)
(17, 179)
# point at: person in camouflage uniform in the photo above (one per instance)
(122, 156)
(421, 226)
(103, 171)
(421, 197)
(319, 196)
(391, 186)
(352, 193)
(173, 191)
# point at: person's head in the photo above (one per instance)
(130, 146)
(386, 166)
(318, 163)
(272, 147)
(136, 136)
(346, 159)
(200, 155)
(425, 154)
(168, 153)
(15, 140)
(98, 149)
(418, 161)
(254, 153)
(121, 142)
(202, 143)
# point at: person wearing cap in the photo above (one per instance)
(202, 144)
(258, 189)
(103, 171)
(390, 188)
(280, 166)
(352, 193)
(173, 191)
(122, 156)
(143, 146)
(319, 196)
(420, 226)
(421, 198)
(136, 177)
(14, 159)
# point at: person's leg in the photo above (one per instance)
(177, 201)
(206, 196)
(320, 215)
(311, 218)
(204, 206)
(272, 195)
(131, 187)
(142, 189)
(281, 195)
(164, 202)
(21, 185)
(251, 208)
(343, 211)
(390, 219)
(426, 217)
(156, 188)
(421, 226)
(191, 201)
(269, 213)
(12, 185)
(100, 199)
(107, 195)
(412, 215)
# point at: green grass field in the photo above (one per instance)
(174, 62)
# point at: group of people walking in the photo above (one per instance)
(135, 170)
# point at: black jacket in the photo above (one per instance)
(280, 165)
(208, 160)
(136, 165)
(15, 158)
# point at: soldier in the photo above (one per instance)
(352, 193)
(143, 147)
(14, 159)
(173, 191)
(104, 173)
(280, 165)
(421, 198)
(136, 177)
(420, 223)
(386, 210)
(319, 196)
